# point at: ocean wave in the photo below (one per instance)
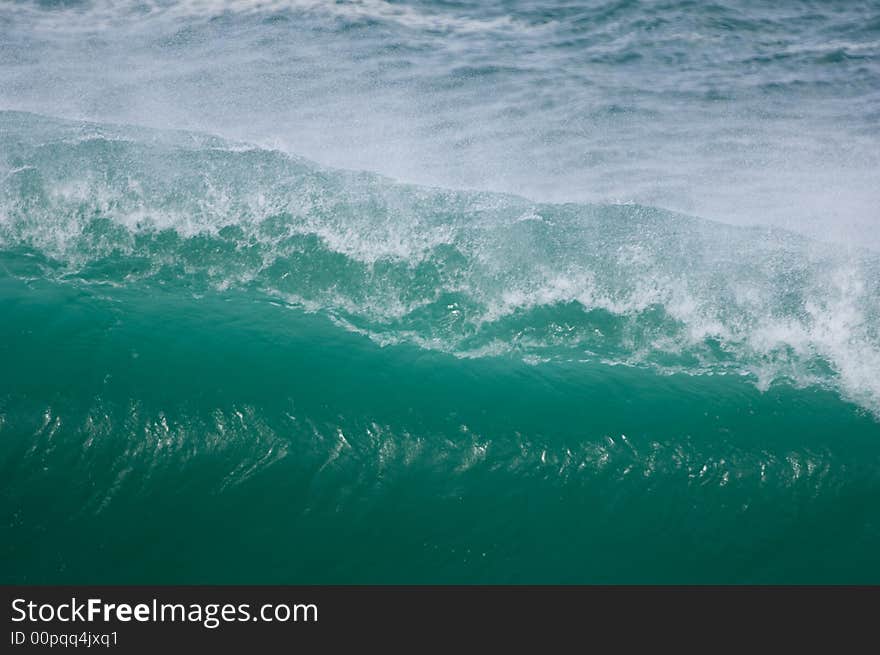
(439, 292)
(466, 273)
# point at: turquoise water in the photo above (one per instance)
(439, 292)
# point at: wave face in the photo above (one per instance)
(284, 372)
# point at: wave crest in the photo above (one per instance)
(472, 274)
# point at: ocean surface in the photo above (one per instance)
(439, 292)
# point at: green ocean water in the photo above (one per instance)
(420, 291)
(382, 383)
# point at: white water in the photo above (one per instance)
(748, 114)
